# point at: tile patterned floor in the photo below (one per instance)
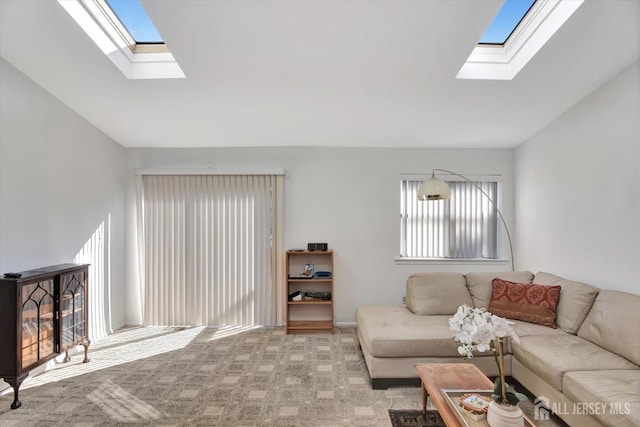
(209, 377)
(203, 376)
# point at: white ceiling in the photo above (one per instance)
(357, 73)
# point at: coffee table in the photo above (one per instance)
(457, 376)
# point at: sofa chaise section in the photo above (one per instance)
(393, 340)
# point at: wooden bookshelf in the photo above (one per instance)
(313, 313)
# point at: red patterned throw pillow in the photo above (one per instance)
(531, 303)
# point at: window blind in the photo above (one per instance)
(209, 249)
(464, 227)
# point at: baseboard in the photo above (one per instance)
(346, 324)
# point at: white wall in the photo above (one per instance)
(578, 190)
(346, 197)
(60, 179)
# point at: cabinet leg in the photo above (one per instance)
(15, 384)
(86, 351)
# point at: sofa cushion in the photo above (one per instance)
(393, 331)
(614, 323)
(480, 287)
(531, 303)
(575, 302)
(525, 329)
(436, 293)
(618, 390)
(551, 356)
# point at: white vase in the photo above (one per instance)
(504, 415)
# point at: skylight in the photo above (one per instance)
(134, 46)
(506, 21)
(506, 55)
(134, 18)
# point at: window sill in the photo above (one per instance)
(448, 261)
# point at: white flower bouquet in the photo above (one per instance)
(477, 329)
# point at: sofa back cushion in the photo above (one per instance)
(614, 323)
(575, 302)
(437, 293)
(523, 301)
(480, 286)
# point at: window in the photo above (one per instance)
(136, 21)
(463, 227)
(491, 60)
(506, 21)
(113, 26)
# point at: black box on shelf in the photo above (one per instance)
(317, 246)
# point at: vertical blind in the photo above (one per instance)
(209, 249)
(465, 226)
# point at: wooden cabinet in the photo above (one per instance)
(309, 292)
(43, 313)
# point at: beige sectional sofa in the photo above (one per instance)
(587, 369)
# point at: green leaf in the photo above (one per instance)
(519, 396)
(513, 397)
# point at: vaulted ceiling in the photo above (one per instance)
(354, 73)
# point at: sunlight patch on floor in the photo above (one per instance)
(119, 348)
(230, 331)
(122, 406)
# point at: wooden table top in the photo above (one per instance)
(461, 376)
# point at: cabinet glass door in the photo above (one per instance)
(37, 334)
(72, 309)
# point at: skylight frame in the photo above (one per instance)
(134, 60)
(504, 62)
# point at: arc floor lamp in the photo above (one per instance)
(435, 189)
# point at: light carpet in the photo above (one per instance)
(210, 377)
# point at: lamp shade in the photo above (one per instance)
(434, 189)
